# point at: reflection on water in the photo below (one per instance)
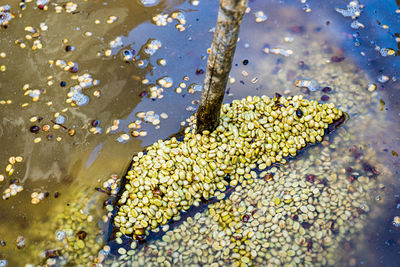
(147, 58)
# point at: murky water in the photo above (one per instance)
(297, 41)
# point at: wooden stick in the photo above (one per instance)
(219, 63)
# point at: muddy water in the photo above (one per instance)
(70, 167)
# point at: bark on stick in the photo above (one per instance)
(219, 63)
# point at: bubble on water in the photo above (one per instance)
(194, 2)
(152, 47)
(260, 16)
(356, 25)
(149, 3)
(353, 9)
(60, 235)
(78, 97)
(386, 52)
(60, 119)
(383, 78)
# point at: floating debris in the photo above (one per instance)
(20, 241)
(162, 62)
(76, 97)
(142, 63)
(278, 51)
(123, 138)
(309, 84)
(86, 80)
(353, 9)
(117, 42)
(194, 87)
(396, 221)
(12, 190)
(194, 2)
(36, 197)
(112, 19)
(5, 16)
(112, 184)
(35, 94)
(190, 108)
(114, 126)
(60, 119)
(165, 82)
(149, 3)
(163, 19)
(152, 47)
(387, 52)
(70, 7)
(337, 59)
(150, 116)
(260, 16)
(128, 54)
(357, 25)
(160, 19)
(60, 235)
(171, 176)
(42, 4)
(371, 87)
(289, 39)
(179, 17)
(383, 78)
